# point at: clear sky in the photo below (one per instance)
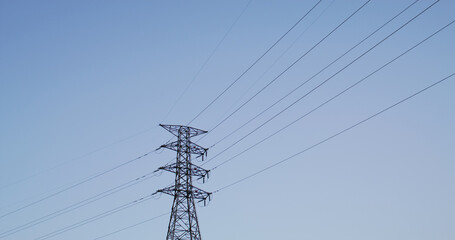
(84, 85)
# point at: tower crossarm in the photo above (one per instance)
(194, 192)
(192, 169)
(190, 147)
(175, 129)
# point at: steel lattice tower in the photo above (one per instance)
(183, 224)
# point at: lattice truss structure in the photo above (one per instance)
(183, 224)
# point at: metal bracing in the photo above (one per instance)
(183, 224)
(193, 148)
(174, 129)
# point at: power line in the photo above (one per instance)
(77, 158)
(290, 66)
(94, 218)
(243, 179)
(145, 130)
(78, 205)
(273, 64)
(207, 60)
(335, 135)
(76, 184)
(23, 201)
(254, 63)
(322, 83)
(131, 226)
(334, 97)
(319, 72)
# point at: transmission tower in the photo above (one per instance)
(183, 224)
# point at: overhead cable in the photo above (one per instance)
(289, 67)
(334, 135)
(77, 158)
(334, 97)
(320, 84)
(319, 72)
(274, 63)
(94, 218)
(76, 184)
(131, 226)
(207, 60)
(77, 205)
(254, 63)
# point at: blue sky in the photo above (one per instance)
(84, 85)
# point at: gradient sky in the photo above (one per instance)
(84, 85)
